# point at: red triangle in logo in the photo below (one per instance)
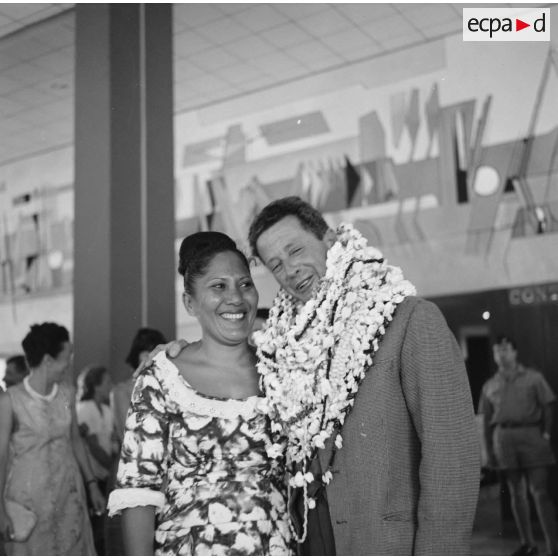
(519, 25)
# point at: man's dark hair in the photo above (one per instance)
(506, 339)
(146, 339)
(309, 218)
(44, 339)
(91, 377)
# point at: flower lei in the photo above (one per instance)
(313, 357)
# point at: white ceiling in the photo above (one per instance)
(226, 50)
(221, 51)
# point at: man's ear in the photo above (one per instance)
(189, 304)
(330, 238)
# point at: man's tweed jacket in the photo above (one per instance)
(407, 478)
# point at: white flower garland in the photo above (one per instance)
(312, 357)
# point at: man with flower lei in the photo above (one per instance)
(366, 384)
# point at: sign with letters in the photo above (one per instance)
(534, 295)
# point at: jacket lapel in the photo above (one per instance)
(324, 455)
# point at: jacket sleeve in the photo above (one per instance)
(437, 393)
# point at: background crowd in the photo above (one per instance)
(201, 468)
(48, 417)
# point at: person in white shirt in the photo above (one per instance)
(96, 424)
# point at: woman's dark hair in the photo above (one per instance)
(90, 378)
(506, 339)
(197, 251)
(19, 362)
(19, 370)
(44, 339)
(146, 339)
(309, 218)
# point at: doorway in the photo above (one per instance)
(477, 352)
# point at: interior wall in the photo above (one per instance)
(17, 316)
(444, 244)
(460, 72)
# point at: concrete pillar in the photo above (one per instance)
(124, 272)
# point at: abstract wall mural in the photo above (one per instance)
(36, 249)
(423, 163)
(450, 199)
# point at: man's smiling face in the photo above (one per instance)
(295, 256)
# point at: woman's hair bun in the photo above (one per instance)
(201, 244)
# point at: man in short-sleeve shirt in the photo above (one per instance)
(516, 405)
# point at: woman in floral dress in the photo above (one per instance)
(198, 474)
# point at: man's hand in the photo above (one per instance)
(173, 349)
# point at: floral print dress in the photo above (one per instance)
(202, 462)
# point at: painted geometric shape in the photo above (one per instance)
(373, 182)
(432, 110)
(487, 181)
(235, 146)
(202, 152)
(324, 179)
(298, 181)
(398, 114)
(294, 128)
(337, 197)
(412, 120)
(354, 194)
(200, 210)
(367, 186)
(372, 137)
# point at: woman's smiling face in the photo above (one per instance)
(224, 299)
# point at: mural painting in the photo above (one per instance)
(461, 210)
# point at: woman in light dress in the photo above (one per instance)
(41, 453)
(194, 475)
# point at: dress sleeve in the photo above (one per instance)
(142, 467)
